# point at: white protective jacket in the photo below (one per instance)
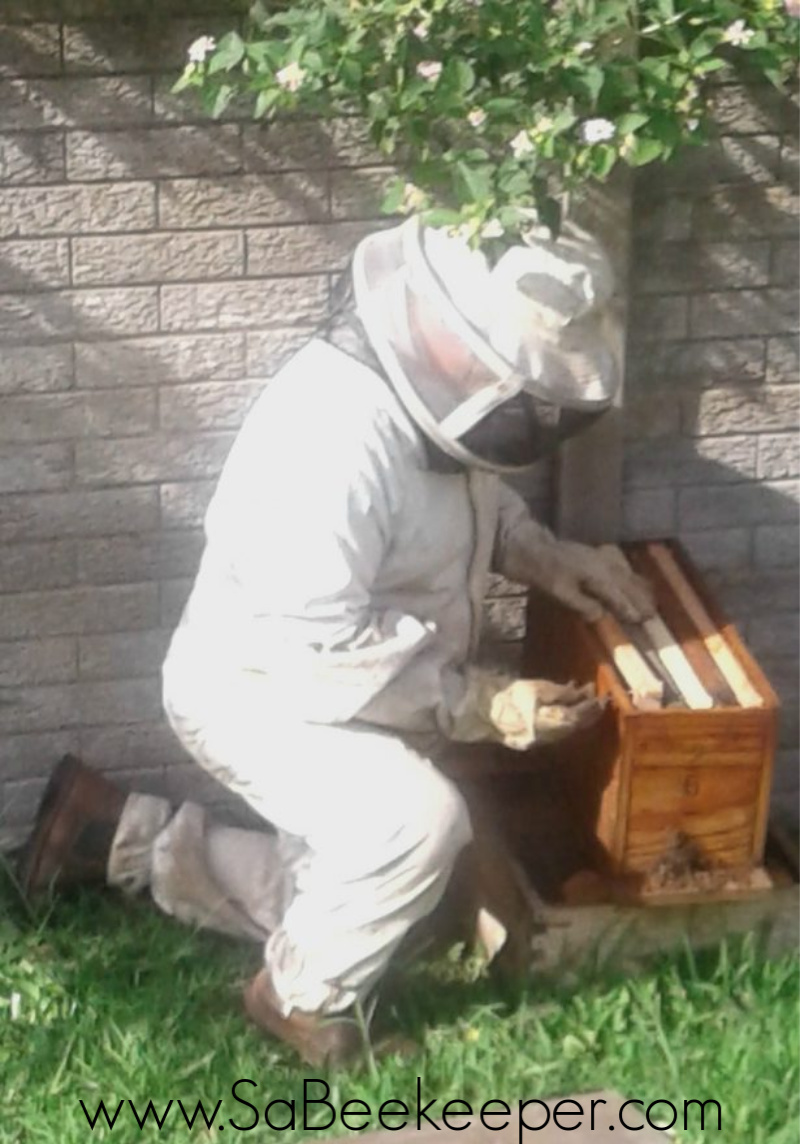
(340, 572)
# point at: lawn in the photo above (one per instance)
(103, 999)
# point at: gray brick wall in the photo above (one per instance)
(156, 268)
(712, 398)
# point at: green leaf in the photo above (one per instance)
(465, 75)
(413, 92)
(703, 45)
(501, 106)
(564, 120)
(603, 158)
(775, 76)
(188, 78)
(260, 53)
(266, 100)
(296, 49)
(591, 80)
(709, 65)
(759, 40)
(441, 216)
(229, 53)
(511, 217)
(644, 151)
(476, 180)
(221, 100)
(666, 127)
(393, 197)
(350, 72)
(656, 67)
(515, 182)
(630, 123)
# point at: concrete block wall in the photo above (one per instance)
(156, 268)
(712, 389)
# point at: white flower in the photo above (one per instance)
(203, 46)
(429, 69)
(737, 34)
(583, 46)
(692, 124)
(597, 130)
(492, 229)
(291, 77)
(413, 198)
(521, 144)
(476, 117)
(421, 30)
(542, 126)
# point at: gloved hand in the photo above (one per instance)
(588, 580)
(521, 712)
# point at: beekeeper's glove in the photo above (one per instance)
(521, 712)
(588, 580)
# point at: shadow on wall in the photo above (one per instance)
(712, 399)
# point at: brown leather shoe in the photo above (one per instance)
(74, 829)
(319, 1040)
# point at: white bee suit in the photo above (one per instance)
(334, 614)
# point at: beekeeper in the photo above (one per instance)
(329, 641)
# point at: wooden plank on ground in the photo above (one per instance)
(625, 937)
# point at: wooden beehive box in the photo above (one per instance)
(652, 790)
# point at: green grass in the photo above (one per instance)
(115, 1002)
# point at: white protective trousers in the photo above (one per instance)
(367, 835)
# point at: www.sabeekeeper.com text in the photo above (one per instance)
(315, 1112)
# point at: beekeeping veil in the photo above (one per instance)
(496, 365)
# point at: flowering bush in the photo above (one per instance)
(493, 108)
